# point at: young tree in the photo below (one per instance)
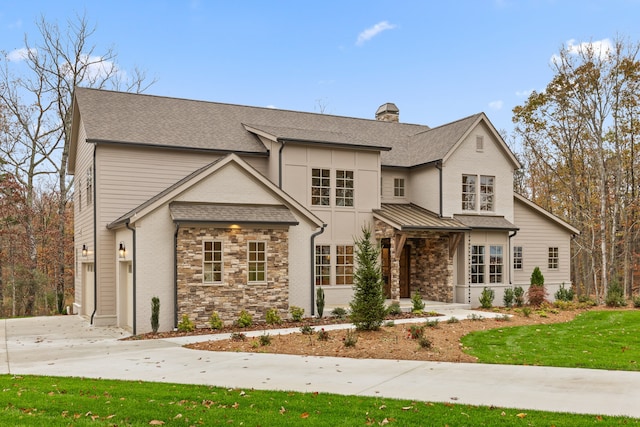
(38, 108)
(367, 307)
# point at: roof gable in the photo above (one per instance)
(518, 198)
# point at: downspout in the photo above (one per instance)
(313, 267)
(439, 167)
(135, 309)
(280, 164)
(510, 256)
(95, 238)
(175, 277)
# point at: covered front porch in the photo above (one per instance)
(417, 252)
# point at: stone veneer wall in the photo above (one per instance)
(199, 300)
(431, 266)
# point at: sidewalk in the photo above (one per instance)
(68, 346)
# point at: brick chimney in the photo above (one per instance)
(388, 113)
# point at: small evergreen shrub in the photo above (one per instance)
(564, 294)
(518, 296)
(155, 314)
(537, 279)
(272, 317)
(265, 339)
(320, 301)
(339, 312)
(186, 325)
(297, 313)
(238, 336)
(394, 309)
(508, 297)
(306, 329)
(432, 323)
(425, 342)
(453, 319)
(615, 295)
(215, 321)
(417, 303)
(244, 320)
(486, 298)
(351, 338)
(323, 335)
(415, 331)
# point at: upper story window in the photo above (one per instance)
(320, 187)
(89, 185)
(257, 265)
(398, 187)
(212, 262)
(344, 188)
(517, 257)
(468, 192)
(487, 192)
(554, 258)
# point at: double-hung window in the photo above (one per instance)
(344, 265)
(323, 265)
(321, 187)
(517, 257)
(496, 261)
(344, 188)
(212, 262)
(468, 192)
(398, 187)
(257, 265)
(487, 191)
(554, 258)
(477, 264)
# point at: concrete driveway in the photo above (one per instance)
(68, 346)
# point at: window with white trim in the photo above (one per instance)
(487, 191)
(517, 257)
(496, 262)
(257, 261)
(554, 258)
(468, 192)
(344, 188)
(344, 265)
(477, 264)
(398, 187)
(323, 265)
(320, 187)
(212, 261)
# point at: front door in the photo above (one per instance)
(405, 272)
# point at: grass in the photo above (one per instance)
(53, 401)
(594, 339)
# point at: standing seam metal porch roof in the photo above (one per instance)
(413, 217)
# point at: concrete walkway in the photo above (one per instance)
(68, 346)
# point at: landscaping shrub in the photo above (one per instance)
(351, 338)
(518, 296)
(238, 336)
(155, 314)
(486, 298)
(508, 297)
(564, 294)
(265, 339)
(424, 342)
(526, 311)
(417, 303)
(306, 329)
(186, 325)
(394, 309)
(537, 279)
(272, 317)
(323, 335)
(536, 295)
(367, 306)
(432, 323)
(453, 319)
(415, 331)
(244, 320)
(215, 321)
(297, 313)
(339, 312)
(320, 301)
(615, 295)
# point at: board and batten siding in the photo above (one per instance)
(536, 234)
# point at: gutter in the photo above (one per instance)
(175, 277)
(313, 267)
(135, 309)
(439, 167)
(95, 237)
(510, 255)
(280, 164)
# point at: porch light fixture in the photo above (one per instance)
(85, 251)
(121, 250)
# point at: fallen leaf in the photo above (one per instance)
(407, 408)
(282, 410)
(156, 423)
(384, 422)
(521, 415)
(304, 415)
(235, 405)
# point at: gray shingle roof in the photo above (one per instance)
(414, 217)
(486, 222)
(231, 213)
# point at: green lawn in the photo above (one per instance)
(595, 339)
(52, 401)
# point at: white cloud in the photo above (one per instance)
(496, 105)
(524, 93)
(600, 48)
(371, 32)
(20, 54)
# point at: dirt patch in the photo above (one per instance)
(390, 342)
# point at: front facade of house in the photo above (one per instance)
(222, 208)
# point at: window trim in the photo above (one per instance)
(323, 269)
(345, 269)
(252, 265)
(485, 205)
(212, 262)
(399, 187)
(518, 259)
(469, 198)
(477, 277)
(344, 193)
(496, 269)
(553, 260)
(89, 185)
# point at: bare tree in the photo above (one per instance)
(39, 106)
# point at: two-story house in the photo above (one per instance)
(220, 208)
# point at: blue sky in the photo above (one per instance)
(438, 61)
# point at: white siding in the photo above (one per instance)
(425, 188)
(387, 193)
